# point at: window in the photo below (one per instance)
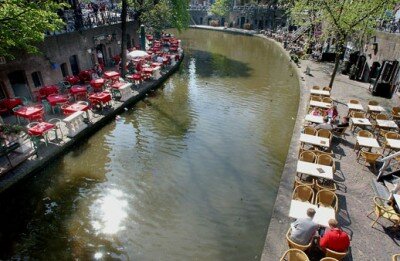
(37, 79)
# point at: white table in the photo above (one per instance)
(324, 105)
(387, 124)
(361, 121)
(298, 209)
(320, 92)
(314, 118)
(394, 144)
(316, 170)
(355, 106)
(367, 142)
(375, 108)
(315, 140)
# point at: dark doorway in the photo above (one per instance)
(222, 21)
(201, 20)
(102, 59)
(19, 84)
(3, 92)
(37, 79)
(373, 73)
(64, 69)
(73, 60)
(209, 21)
(242, 21)
(128, 42)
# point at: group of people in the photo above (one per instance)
(305, 230)
(330, 120)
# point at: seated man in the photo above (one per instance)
(325, 125)
(303, 229)
(334, 238)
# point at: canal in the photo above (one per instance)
(190, 173)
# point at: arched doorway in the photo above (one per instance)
(19, 84)
(73, 60)
(101, 54)
(373, 73)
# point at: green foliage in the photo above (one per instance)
(161, 13)
(221, 7)
(341, 18)
(23, 24)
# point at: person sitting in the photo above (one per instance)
(303, 229)
(334, 238)
(344, 123)
(315, 112)
(325, 125)
(332, 113)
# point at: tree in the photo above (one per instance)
(221, 7)
(341, 19)
(23, 24)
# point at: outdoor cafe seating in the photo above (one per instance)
(39, 129)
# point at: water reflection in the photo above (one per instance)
(108, 212)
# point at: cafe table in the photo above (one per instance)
(41, 129)
(323, 105)
(298, 209)
(355, 106)
(320, 92)
(366, 142)
(387, 124)
(55, 99)
(393, 143)
(27, 112)
(100, 97)
(315, 170)
(361, 122)
(315, 140)
(375, 108)
(314, 118)
(77, 90)
(97, 84)
(111, 75)
(78, 106)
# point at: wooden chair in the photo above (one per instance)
(315, 98)
(294, 255)
(327, 199)
(303, 193)
(381, 116)
(324, 133)
(310, 130)
(294, 245)
(373, 103)
(395, 113)
(329, 259)
(303, 182)
(365, 133)
(323, 184)
(327, 88)
(354, 101)
(369, 157)
(382, 208)
(326, 160)
(334, 254)
(396, 257)
(327, 100)
(315, 87)
(308, 156)
(358, 114)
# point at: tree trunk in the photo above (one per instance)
(337, 61)
(123, 37)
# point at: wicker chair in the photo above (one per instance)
(303, 193)
(303, 182)
(365, 133)
(315, 87)
(315, 98)
(358, 114)
(354, 101)
(328, 259)
(373, 103)
(396, 257)
(326, 160)
(327, 198)
(389, 135)
(294, 245)
(310, 130)
(381, 116)
(324, 133)
(369, 157)
(322, 184)
(395, 113)
(308, 156)
(294, 255)
(334, 254)
(327, 88)
(383, 209)
(327, 100)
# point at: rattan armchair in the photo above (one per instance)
(294, 245)
(303, 193)
(382, 208)
(327, 198)
(308, 156)
(294, 255)
(369, 157)
(334, 254)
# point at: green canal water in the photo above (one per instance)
(190, 173)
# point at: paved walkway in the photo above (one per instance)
(355, 192)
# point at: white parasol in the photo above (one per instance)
(136, 54)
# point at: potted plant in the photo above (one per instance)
(11, 133)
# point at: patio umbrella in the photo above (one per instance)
(136, 54)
